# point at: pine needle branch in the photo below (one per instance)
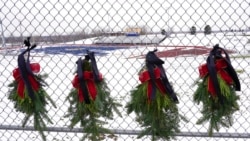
(158, 118)
(35, 108)
(217, 114)
(89, 115)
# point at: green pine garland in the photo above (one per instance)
(89, 115)
(217, 114)
(159, 117)
(36, 108)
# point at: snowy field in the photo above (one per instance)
(120, 70)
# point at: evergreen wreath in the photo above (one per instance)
(27, 91)
(154, 101)
(90, 100)
(217, 84)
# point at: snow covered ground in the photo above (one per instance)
(120, 72)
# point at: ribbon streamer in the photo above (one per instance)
(25, 70)
(153, 61)
(94, 66)
(83, 87)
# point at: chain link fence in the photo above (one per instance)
(121, 33)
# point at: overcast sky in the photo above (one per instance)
(45, 17)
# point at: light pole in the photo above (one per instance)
(2, 33)
(21, 33)
(168, 19)
(167, 32)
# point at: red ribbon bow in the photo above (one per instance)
(89, 78)
(35, 68)
(220, 67)
(145, 77)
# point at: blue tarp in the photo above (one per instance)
(132, 34)
(77, 50)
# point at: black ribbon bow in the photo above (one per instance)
(151, 61)
(81, 68)
(216, 53)
(24, 67)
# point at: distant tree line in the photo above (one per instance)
(50, 38)
(74, 36)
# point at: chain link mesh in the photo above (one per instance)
(64, 30)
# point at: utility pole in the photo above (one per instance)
(2, 32)
(21, 33)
